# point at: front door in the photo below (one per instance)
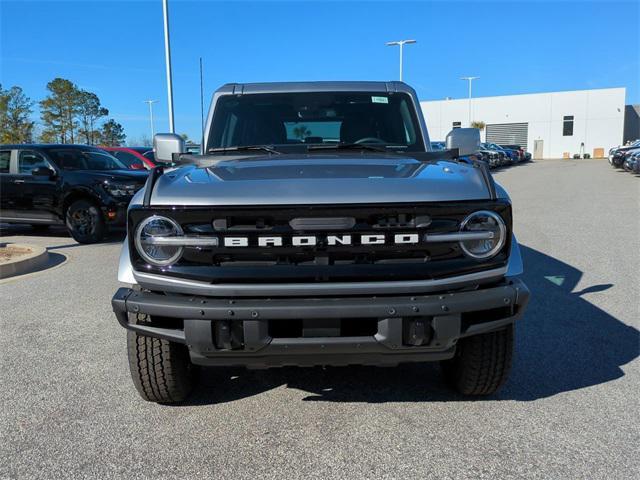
(538, 149)
(7, 190)
(37, 200)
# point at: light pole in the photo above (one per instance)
(167, 57)
(151, 102)
(401, 44)
(470, 79)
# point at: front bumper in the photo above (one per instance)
(239, 331)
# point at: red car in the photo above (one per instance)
(136, 158)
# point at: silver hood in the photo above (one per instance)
(320, 179)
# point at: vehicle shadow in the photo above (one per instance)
(56, 231)
(563, 343)
(502, 168)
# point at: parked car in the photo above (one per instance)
(616, 154)
(136, 158)
(503, 158)
(630, 159)
(269, 251)
(634, 163)
(518, 149)
(490, 156)
(82, 187)
(512, 155)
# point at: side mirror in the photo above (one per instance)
(43, 172)
(166, 146)
(466, 140)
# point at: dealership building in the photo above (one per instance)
(550, 125)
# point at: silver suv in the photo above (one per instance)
(319, 228)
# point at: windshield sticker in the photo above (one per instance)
(379, 100)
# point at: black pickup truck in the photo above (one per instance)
(79, 186)
(319, 229)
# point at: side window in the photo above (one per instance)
(5, 160)
(567, 126)
(457, 124)
(127, 158)
(29, 161)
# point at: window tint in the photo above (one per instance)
(29, 161)
(5, 160)
(567, 126)
(316, 118)
(127, 158)
(77, 159)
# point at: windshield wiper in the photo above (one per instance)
(244, 148)
(347, 146)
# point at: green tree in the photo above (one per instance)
(89, 112)
(112, 134)
(15, 113)
(59, 111)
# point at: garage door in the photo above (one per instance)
(508, 134)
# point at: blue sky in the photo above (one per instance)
(115, 48)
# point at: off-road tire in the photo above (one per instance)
(482, 363)
(92, 233)
(161, 370)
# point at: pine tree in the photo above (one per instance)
(112, 134)
(15, 113)
(59, 111)
(89, 111)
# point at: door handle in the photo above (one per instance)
(18, 181)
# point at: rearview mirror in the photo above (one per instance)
(466, 140)
(168, 146)
(43, 172)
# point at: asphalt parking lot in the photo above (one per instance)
(569, 410)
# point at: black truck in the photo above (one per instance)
(79, 186)
(319, 228)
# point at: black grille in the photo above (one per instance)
(324, 262)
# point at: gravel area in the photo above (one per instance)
(569, 410)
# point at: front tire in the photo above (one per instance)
(162, 371)
(482, 363)
(85, 222)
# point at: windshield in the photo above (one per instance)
(78, 159)
(296, 119)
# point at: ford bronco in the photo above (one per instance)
(318, 228)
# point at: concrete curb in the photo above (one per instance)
(25, 264)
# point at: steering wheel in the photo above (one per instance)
(369, 140)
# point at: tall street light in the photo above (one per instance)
(151, 102)
(167, 57)
(470, 80)
(401, 44)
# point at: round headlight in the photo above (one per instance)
(486, 222)
(153, 251)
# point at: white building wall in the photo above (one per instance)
(598, 117)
